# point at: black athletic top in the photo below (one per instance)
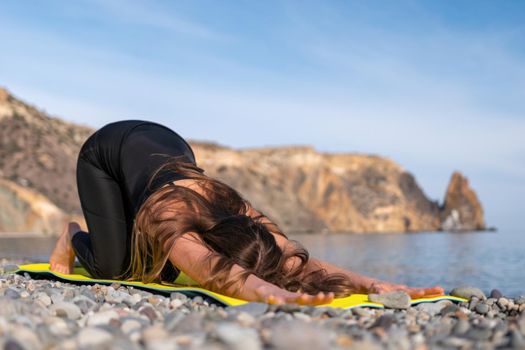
(132, 150)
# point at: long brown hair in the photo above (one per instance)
(221, 222)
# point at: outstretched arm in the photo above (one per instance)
(364, 284)
(189, 254)
(361, 283)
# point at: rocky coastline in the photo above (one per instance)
(42, 314)
(300, 188)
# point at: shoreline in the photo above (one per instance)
(12, 235)
(37, 314)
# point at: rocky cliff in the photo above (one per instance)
(26, 210)
(307, 190)
(39, 152)
(300, 188)
(462, 209)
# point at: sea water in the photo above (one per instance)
(484, 259)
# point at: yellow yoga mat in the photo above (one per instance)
(188, 287)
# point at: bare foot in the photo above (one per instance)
(63, 256)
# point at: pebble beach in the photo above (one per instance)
(42, 314)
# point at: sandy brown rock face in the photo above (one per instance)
(24, 210)
(302, 189)
(462, 209)
(39, 152)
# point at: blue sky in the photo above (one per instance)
(437, 86)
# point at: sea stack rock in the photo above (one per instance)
(462, 209)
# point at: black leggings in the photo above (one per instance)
(113, 168)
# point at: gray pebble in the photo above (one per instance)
(254, 309)
(247, 320)
(288, 308)
(456, 342)
(12, 344)
(300, 335)
(180, 296)
(468, 292)
(133, 299)
(65, 309)
(115, 297)
(149, 312)
(298, 315)
(487, 323)
(88, 294)
(68, 294)
(431, 308)
(362, 311)
(238, 338)
(155, 337)
(473, 302)
(198, 299)
(449, 309)
(384, 321)
(176, 303)
(25, 337)
(102, 318)
(10, 268)
(10, 308)
(130, 325)
(11, 293)
(84, 303)
(323, 312)
(92, 337)
(521, 324)
(479, 334)
(496, 294)
(57, 298)
(482, 308)
(172, 320)
(516, 340)
(503, 303)
(43, 299)
(461, 327)
(394, 300)
(188, 324)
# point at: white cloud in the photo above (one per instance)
(143, 13)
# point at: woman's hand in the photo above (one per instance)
(385, 287)
(275, 295)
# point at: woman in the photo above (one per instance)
(151, 212)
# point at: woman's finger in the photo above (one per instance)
(425, 292)
(307, 299)
(379, 289)
(272, 299)
(416, 293)
(434, 291)
(328, 298)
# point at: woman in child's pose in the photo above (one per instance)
(151, 212)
